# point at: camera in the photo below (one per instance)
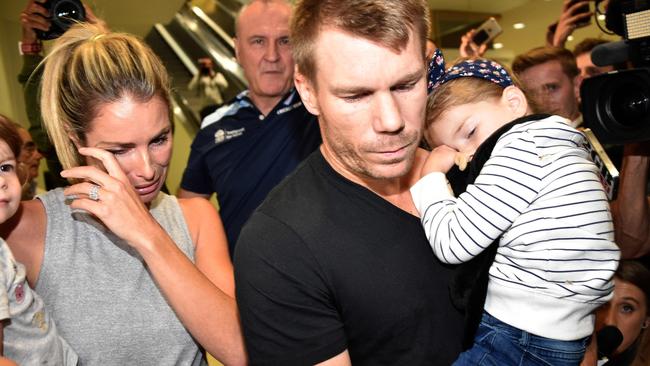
(63, 13)
(616, 105)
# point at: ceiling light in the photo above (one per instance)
(519, 26)
(497, 46)
(601, 17)
(569, 38)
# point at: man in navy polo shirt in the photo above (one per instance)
(248, 146)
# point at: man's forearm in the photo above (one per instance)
(630, 210)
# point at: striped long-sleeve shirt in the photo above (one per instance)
(542, 194)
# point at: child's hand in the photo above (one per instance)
(441, 159)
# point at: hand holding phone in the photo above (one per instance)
(575, 14)
(474, 43)
(486, 32)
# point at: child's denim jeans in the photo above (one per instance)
(499, 344)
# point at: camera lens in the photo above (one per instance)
(67, 10)
(629, 104)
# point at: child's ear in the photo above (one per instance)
(515, 99)
(307, 92)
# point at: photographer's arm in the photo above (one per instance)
(630, 210)
(194, 82)
(32, 18)
(570, 19)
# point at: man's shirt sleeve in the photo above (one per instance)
(196, 177)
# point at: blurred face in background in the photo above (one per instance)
(587, 68)
(552, 90)
(627, 310)
(29, 158)
(263, 49)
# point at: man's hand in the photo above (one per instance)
(570, 19)
(34, 17)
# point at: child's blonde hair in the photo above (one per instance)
(463, 90)
(87, 68)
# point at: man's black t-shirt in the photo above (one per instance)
(325, 265)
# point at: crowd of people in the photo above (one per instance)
(339, 239)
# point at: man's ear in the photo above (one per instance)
(577, 82)
(515, 99)
(236, 44)
(307, 92)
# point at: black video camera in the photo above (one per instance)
(616, 105)
(63, 14)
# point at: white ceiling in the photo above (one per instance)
(481, 6)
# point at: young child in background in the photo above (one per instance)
(29, 336)
(539, 195)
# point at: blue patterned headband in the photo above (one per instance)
(478, 68)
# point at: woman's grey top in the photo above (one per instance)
(101, 295)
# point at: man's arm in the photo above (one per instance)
(630, 210)
(188, 194)
(342, 359)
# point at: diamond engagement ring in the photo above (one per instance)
(94, 192)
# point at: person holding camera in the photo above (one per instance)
(38, 25)
(207, 83)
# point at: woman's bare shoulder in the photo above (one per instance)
(198, 213)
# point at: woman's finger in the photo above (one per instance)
(86, 190)
(89, 173)
(94, 207)
(108, 160)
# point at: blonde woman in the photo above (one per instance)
(131, 275)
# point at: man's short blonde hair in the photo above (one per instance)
(386, 22)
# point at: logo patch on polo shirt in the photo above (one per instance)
(222, 136)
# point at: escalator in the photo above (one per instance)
(194, 33)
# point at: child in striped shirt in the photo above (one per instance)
(539, 195)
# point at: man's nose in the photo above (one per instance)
(271, 53)
(388, 117)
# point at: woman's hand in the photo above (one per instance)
(116, 204)
(441, 159)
